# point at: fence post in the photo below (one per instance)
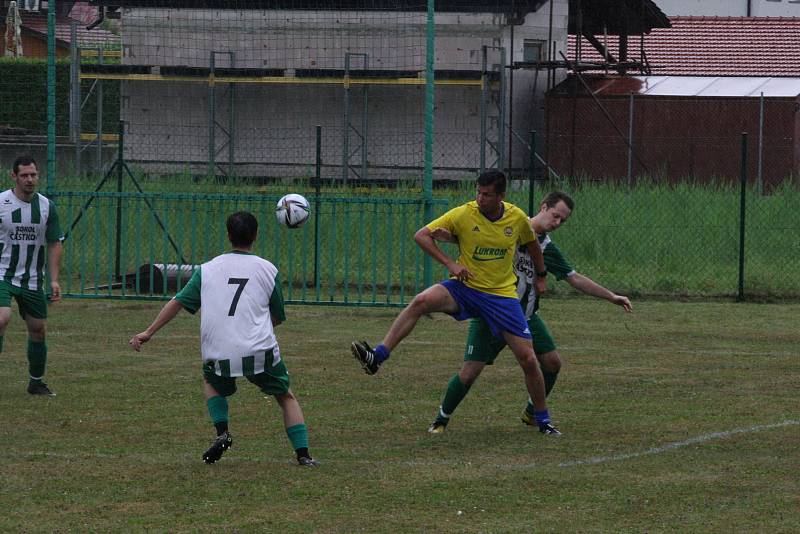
(51, 94)
(760, 175)
(120, 168)
(427, 182)
(630, 141)
(318, 176)
(484, 91)
(532, 173)
(742, 210)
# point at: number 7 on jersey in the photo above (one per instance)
(241, 282)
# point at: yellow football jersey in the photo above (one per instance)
(487, 248)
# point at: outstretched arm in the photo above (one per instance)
(586, 285)
(167, 313)
(426, 242)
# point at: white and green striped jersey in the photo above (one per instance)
(25, 230)
(554, 262)
(240, 294)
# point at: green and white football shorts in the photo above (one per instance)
(31, 302)
(273, 381)
(482, 346)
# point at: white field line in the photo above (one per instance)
(678, 444)
(232, 457)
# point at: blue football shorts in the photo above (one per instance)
(502, 314)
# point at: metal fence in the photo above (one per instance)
(220, 112)
(146, 245)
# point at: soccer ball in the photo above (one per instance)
(292, 210)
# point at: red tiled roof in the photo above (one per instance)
(37, 23)
(713, 46)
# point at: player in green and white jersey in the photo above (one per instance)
(482, 347)
(241, 301)
(30, 238)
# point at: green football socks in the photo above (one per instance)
(218, 411)
(37, 359)
(298, 436)
(455, 393)
(549, 381)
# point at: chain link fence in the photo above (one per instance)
(184, 115)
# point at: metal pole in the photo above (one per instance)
(510, 102)
(742, 211)
(532, 173)
(760, 175)
(231, 120)
(427, 183)
(484, 92)
(120, 168)
(630, 141)
(212, 119)
(501, 138)
(99, 163)
(317, 217)
(364, 125)
(75, 101)
(51, 93)
(346, 132)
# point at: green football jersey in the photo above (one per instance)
(25, 230)
(554, 261)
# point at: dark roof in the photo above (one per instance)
(615, 17)
(629, 16)
(469, 6)
(714, 46)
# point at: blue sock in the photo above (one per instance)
(542, 418)
(382, 353)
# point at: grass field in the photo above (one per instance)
(680, 417)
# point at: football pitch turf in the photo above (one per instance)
(678, 417)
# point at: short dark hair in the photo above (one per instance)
(554, 197)
(495, 178)
(242, 228)
(23, 160)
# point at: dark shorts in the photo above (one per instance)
(274, 381)
(482, 346)
(31, 302)
(502, 314)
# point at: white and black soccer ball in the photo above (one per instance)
(292, 210)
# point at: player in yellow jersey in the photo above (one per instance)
(482, 283)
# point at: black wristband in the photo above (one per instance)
(542, 274)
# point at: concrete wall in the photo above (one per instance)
(273, 123)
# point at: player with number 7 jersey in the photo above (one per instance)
(240, 296)
(241, 301)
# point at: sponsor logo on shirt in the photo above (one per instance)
(488, 253)
(23, 233)
(508, 231)
(476, 229)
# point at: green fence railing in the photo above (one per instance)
(145, 245)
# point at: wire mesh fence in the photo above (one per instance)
(218, 110)
(238, 92)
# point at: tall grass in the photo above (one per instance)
(650, 239)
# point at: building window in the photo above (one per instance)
(533, 50)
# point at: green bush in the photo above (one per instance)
(23, 92)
